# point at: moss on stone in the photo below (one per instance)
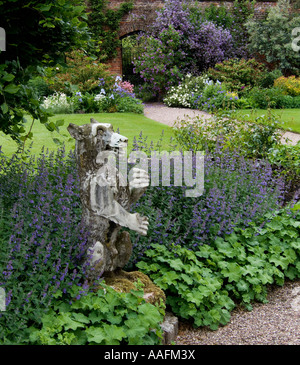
(123, 281)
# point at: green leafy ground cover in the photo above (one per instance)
(203, 285)
(105, 317)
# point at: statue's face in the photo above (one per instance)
(98, 132)
(114, 140)
(98, 137)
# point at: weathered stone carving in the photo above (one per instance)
(106, 197)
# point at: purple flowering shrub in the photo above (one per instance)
(42, 242)
(158, 64)
(211, 44)
(237, 191)
(180, 41)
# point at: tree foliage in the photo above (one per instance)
(38, 33)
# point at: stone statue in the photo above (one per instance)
(106, 197)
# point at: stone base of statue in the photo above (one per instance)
(123, 281)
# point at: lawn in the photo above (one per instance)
(129, 125)
(290, 118)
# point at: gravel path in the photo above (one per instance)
(274, 323)
(166, 115)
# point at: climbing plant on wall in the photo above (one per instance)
(104, 23)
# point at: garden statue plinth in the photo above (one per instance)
(124, 282)
(106, 197)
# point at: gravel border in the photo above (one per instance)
(274, 323)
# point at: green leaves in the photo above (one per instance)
(192, 289)
(231, 270)
(271, 37)
(47, 32)
(4, 108)
(201, 285)
(108, 335)
(103, 318)
(11, 88)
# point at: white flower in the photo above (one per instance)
(99, 97)
(58, 102)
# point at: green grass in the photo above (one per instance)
(129, 125)
(289, 118)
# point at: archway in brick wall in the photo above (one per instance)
(130, 49)
(144, 13)
(138, 20)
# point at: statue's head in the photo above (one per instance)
(97, 137)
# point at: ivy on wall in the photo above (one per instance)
(104, 23)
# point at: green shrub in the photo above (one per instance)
(192, 289)
(287, 158)
(82, 73)
(238, 75)
(251, 139)
(269, 77)
(271, 98)
(40, 86)
(129, 105)
(265, 98)
(260, 136)
(243, 103)
(289, 102)
(219, 15)
(202, 285)
(105, 317)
